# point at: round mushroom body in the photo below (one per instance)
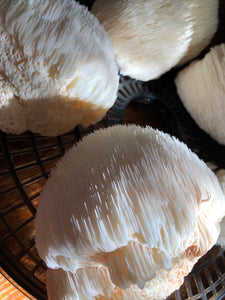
(201, 87)
(151, 37)
(57, 67)
(130, 204)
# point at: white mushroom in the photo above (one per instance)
(201, 87)
(133, 205)
(150, 37)
(57, 67)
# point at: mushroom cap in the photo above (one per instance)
(134, 201)
(201, 87)
(150, 37)
(57, 67)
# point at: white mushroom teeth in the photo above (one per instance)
(126, 214)
(201, 87)
(57, 67)
(151, 37)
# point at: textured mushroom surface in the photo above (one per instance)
(57, 67)
(95, 283)
(150, 37)
(133, 203)
(201, 87)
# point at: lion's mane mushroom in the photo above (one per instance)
(201, 87)
(57, 67)
(130, 204)
(150, 37)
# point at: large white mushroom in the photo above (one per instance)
(57, 67)
(150, 37)
(131, 205)
(201, 87)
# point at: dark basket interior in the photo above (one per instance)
(27, 159)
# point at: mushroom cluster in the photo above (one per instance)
(128, 211)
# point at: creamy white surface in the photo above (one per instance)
(151, 37)
(57, 67)
(134, 201)
(201, 87)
